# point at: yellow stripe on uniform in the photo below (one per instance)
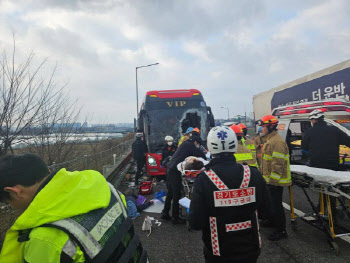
(280, 155)
(243, 156)
(275, 176)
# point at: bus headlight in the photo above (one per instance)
(152, 161)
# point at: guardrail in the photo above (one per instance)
(117, 173)
(95, 160)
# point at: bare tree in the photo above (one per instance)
(24, 94)
(58, 133)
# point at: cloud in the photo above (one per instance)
(230, 50)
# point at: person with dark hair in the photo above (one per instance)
(139, 150)
(225, 203)
(275, 168)
(195, 164)
(130, 196)
(174, 183)
(64, 216)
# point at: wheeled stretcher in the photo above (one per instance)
(330, 185)
(188, 177)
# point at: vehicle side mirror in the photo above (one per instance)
(211, 117)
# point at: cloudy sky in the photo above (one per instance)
(229, 50)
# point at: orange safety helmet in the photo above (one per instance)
(268, 120)
(242, 126)
(238, 131)
(196, 130)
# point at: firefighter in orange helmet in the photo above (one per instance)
(196, 131)
(275, 168)
(243, 154)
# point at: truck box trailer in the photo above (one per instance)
(330, 83)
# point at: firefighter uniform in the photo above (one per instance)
(275, 168)
(245, 155)
(245, 140)
(275, 164)
(249, 144)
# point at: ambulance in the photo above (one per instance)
(294, 121)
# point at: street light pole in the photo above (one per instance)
(137, 88)
(137, 97)
(228, 112)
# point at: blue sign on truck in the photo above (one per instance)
(332, 86)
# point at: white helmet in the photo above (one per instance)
(316, 114)
(169, 138)
(222, 139)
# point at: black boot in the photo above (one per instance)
(178, 220)
(165, 216)
(278, 235)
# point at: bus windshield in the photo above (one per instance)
(171, 112)
(172, 122)
(160, 122)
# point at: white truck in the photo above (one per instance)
(329, 83)
(328, 90)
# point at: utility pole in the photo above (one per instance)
(228, 112)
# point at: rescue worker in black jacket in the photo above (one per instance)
(322, 142)
(139, 149)
(190, 147)
(225, 203)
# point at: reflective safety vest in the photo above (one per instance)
(244, 155)
(183, 138)
(103, 234)
(249, 144)
(226, 197)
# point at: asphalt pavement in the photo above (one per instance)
(174, 243)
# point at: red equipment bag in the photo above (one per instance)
(145, 188)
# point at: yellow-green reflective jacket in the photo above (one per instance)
(249, 144)
(183, 138)
(244, 155)
(275, 165)
(66, 197)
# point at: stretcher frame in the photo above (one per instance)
(188, 177)
(319, 219)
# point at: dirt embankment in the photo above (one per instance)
(7, 218)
